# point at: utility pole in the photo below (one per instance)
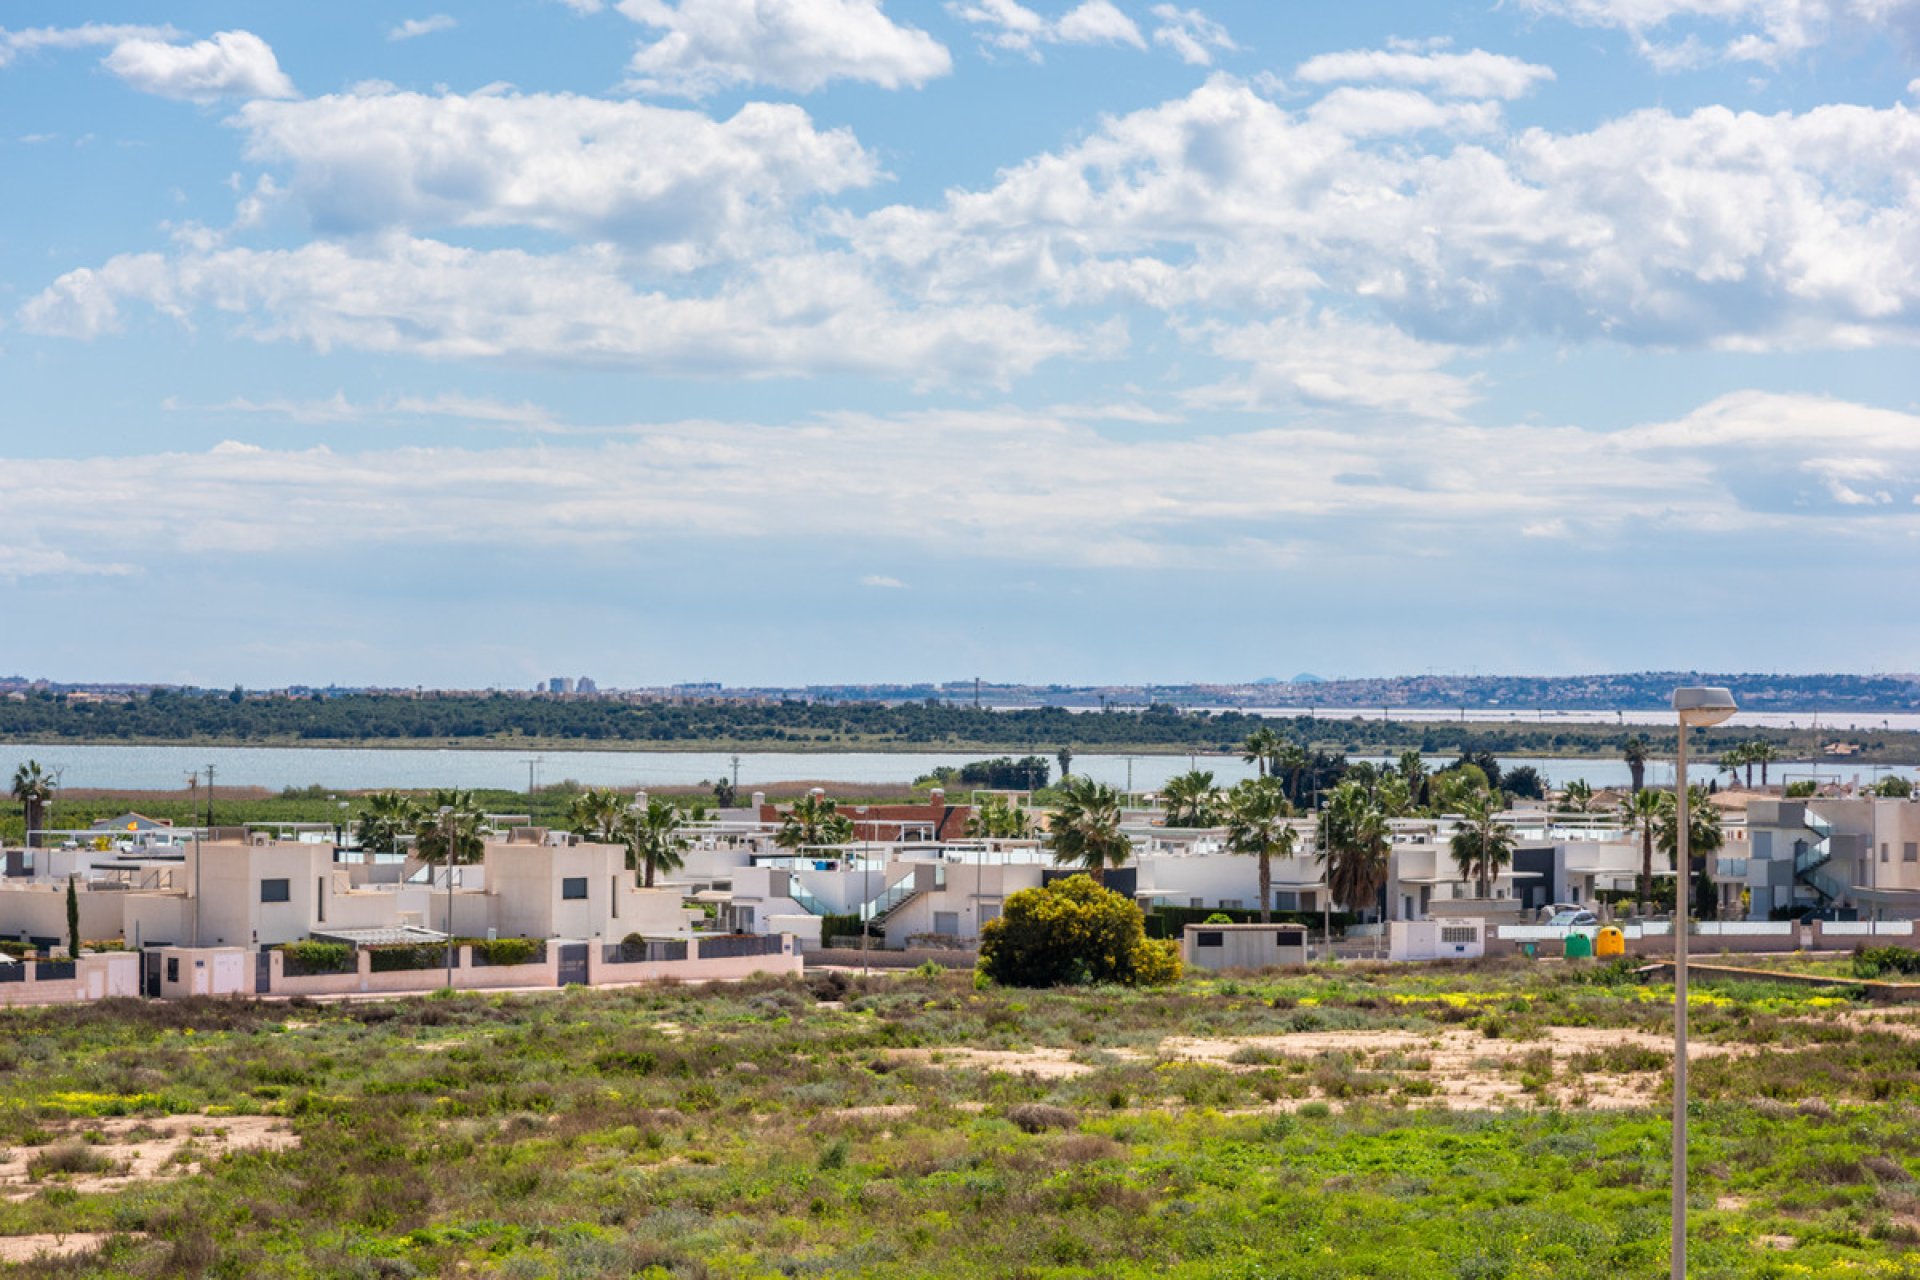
(976, 693)
(736, 773)
(209, 799)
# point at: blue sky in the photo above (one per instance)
(781, 341)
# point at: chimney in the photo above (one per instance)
(759, 800)
(938, 797)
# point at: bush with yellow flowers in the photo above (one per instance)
(1071, 932)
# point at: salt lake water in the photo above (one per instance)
(165, 768)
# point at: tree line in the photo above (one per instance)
(172, 716)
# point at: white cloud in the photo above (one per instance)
(1040, 488)
(415, 27)
(1476, 74)
(34, 39)
(680, 186)
(1191, 34)
(232, 64)
(33, 561)
(785, 316)
(474, 410)
(1766, 31)
(1714, 228)
(801, 45)
(1330, 360)
(1014, 26)
(883, 582)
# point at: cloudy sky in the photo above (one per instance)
(1077, 340)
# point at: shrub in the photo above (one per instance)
(838, 926)
(303, 958)
(1873, 962)
(1218, 917)
(393, 957)
(1073, 931)
(1036, 1117)
(500, 951)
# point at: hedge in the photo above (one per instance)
(505, 951)
(310, 959)
(397, 956)
(1171, 922)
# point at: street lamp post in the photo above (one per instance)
(447, 829)
(1696, 708)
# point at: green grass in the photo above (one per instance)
(769, 1128)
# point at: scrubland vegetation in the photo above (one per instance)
(1493, 1120)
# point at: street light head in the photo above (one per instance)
(1700, 707)
(446, 811)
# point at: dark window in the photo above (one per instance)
(173, 968)
(1210, 939)
(276, 891)
(572, 887)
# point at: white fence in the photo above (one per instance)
(1867, 928)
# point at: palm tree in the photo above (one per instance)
(1292, 759)
(1482, 844)
(1414, 770)
(1260, 747)
(33, 788)
(1704, 838)
(1258, 823)
(1391, 793)
(813, 820)
(1764, 754)
(1065, 756)
(1085, 829)
(597, 814)
(388, 817)
(1354, 841)
(1730, 762)
(1191, 799)
(1577, 798)
(653, 837)
(998, 818)
(1640, 810)
(431, 829)
(1634, 751)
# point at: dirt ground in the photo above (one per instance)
(1458, 1069)
(33, 1248)
(143, 1150)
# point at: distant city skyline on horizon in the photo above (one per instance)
(695, 336)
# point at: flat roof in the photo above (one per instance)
(380, 937)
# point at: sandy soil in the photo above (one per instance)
(1466, 1070)
(144, 1150)
(31, 1248)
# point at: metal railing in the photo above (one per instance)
(729, 946)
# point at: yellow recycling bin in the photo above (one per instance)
(1610, 942)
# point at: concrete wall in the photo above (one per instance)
(96, 977)
(205, 971)
(1433, 940)
(36, 910)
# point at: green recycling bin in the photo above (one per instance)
(1579, 947)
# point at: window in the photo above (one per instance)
(1910, 852)
(320, 898)
(613, 896)
(173, 968)
(1459, 933)
(1210, 938)
(276, 891)
(573, 888)
(946, 923)
(1883, 851)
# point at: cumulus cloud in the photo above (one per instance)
(786, 316)
(413, 28)
(1040, 486)
(803, 45)
(1712, 228)
(682, 187)
(34, 39)
(1765, 31)
(232, 64)
(1332, 360)
(1010, 25)
(1476, 74)
(1191, 34)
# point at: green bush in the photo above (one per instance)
(500, 951)
(1171, 922)
(1073, 931)
(1874, 962)
(305, 958)
(397, 956)
(838, 926)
